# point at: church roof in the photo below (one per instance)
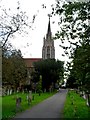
(29, 61)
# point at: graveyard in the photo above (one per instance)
(26, 81)
(75, 106)
(9, 103)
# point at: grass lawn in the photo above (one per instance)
(9, 103)
(75, 106)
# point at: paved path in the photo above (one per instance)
(49, 108)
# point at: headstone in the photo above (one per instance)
(18, 103)
(84, 96)
(29, 97)
(88, 100)
(23, 91)
(17, 91)
(8, 92)
(11, 92)
(87, 103)
(44, 90)
(59, 89)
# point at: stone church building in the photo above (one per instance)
(48, 50)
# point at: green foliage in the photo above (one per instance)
(51, 71)
(75, 29)
(73, 19)
(71, 81)
(13, 68)
(35, 76)
(75, 106)
(81, 66)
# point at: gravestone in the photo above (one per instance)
(10, 91)
(29, 97)
(44, 90)
(17, 91)
(23, 92)
(84, 95)
(18, 103)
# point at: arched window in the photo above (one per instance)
(48, 52)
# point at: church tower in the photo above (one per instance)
(48, 50)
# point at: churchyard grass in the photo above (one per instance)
(75, 106)
(9, 109)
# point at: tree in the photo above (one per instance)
(51, 71)
(75, 28)
(35, 76)
(81, 66)
(11, 23)
(13, 69)
(72, 80)
(74, 24)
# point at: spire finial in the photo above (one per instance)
(49, 15)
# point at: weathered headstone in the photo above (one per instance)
(18, 103)
(84, 95)
(29, 97)
(23, 92)
(44, 90)
(17, 90)
(10, 91)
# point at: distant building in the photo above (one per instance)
(48, 50)
(30, 61)
(30, 67)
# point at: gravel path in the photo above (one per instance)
(49, 108)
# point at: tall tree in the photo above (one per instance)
(81, 66)
(51, 71)
(10, 24)
(13, 69)
(13, 22)
(74, 19)
(74, 28)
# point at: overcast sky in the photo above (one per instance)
(31, 44)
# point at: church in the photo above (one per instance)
(48, 49)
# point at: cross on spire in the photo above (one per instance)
(49, 15)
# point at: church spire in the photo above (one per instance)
(48, 50)
(49, 29)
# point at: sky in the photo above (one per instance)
(31, 44)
